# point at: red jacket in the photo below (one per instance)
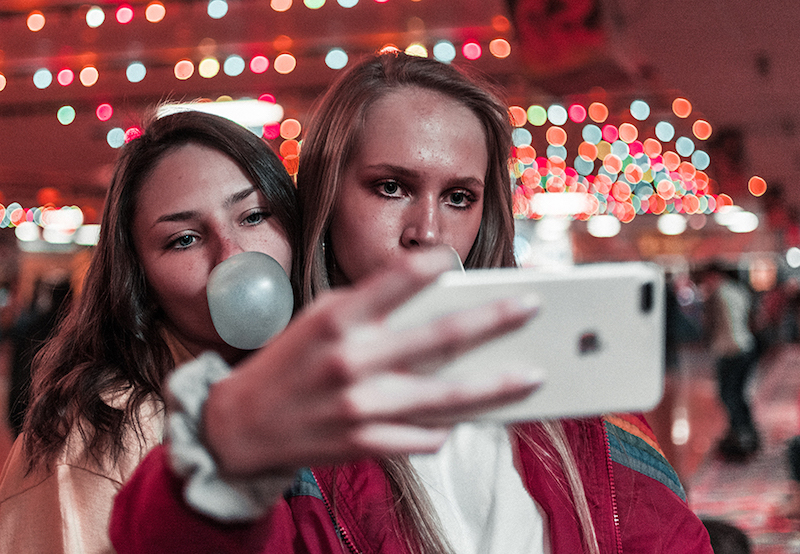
(634, 495)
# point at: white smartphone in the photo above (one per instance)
(597, 341)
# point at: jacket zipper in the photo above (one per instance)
(610, 467)
(340, 530)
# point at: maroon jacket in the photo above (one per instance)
(634, 495)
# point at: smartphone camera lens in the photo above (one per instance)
(646, 297)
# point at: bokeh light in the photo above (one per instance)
(280, 5)
(682, 107)
(314, 4)
(537, 115)
(217, 9)
(115, 137)
(285, 63)
(95, 17)
(628, 132)
(65, 77)
(684, 146)
(500, 48)
(592, 134)
(577, 113)
(640, 110)
(124, 14)
(259, 64)
(234, 65)
(557, 114)
(135, 72)
(88, 75)
(289, 147)
(701, 159)
(290, 129)
(3, 81)
(348, 3)
(336, 58)
(271, 131)
(42, 78)
(556, 136)
(500, 23)
(518, 116)
(66, 115)
(471, 50)
(184, 69)
(35, 21)
(757, 186)
(598, 112)
(208, 67)
(444, 51)
(665, 131)
(521, 136)
(417, 49)
(104, 112)
(793, 257)
(155, 12)
(132, 133)
(610, 133)
(701, 129)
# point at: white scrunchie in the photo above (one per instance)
(226, 500)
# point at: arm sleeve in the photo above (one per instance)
(150, 515)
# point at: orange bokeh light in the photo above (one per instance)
(628, 132)
(681, 107)
(598, 112)
(290, 129)
(500, 48)
(526, 153)
(556, 136)
(652, 147)
(36, 21)
(284, 63)
(671, 160)
(518, 116)
(701, 129)
(757, 185)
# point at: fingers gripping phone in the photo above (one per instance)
(597, 341)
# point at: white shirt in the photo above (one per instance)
(478, 494)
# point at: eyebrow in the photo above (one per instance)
(230, 201)
(407, 173)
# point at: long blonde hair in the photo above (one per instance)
(331, 137)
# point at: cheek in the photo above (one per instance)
(360, 242)
(175, 284)
(463, 231)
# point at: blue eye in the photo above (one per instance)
(256, 217)
(182, 242)
(458, 198)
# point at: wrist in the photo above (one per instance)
(209, 492)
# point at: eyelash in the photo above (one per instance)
(469, 198)
(174, 244)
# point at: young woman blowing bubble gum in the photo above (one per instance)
(191, 192)
(407, 154)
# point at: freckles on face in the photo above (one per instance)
(196, 209)
(415, 181)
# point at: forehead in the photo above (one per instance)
(188, 173)
(416, 122)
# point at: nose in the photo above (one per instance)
(228, 245)
(422, 227)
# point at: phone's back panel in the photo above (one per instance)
(597, 341)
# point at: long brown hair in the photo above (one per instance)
(111, 340)
(331, 138)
